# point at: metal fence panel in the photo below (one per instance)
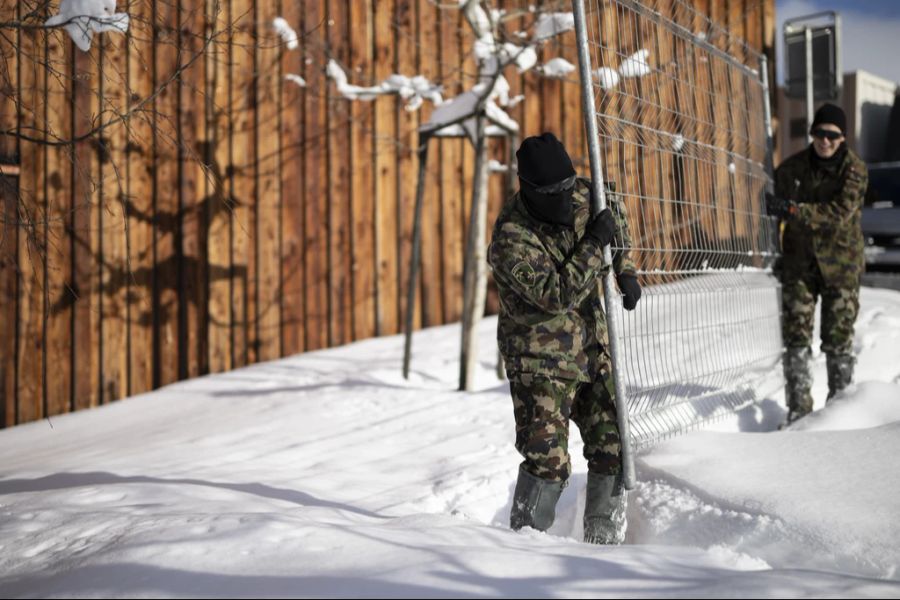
(682, 122)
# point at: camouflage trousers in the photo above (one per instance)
(543, 406)
(840, 306)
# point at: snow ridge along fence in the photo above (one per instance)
(683, 130)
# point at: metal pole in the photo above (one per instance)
(770, 149)
(770, 143)
(598, 204)
(807, 33)
(416, 252)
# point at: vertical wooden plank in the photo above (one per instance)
(497, 150)
(571, 120)
(316, 191)
(59, 256)
(674, 115)
(114, 274)
(269, 199)
(753, 18)
(293, 305)
(667, 109)
(650, 167)
(32, 253)
(9, 68)
(408, 51)
(740, 121)
(169, 357)
(192, 182)
(268, 233)
(551, 92)
(431, 278)
(140, 199)
(686, 188)
(768, 48)
(364, 214)
(466, 71)
(85, 241)
(532, 107)
(243, 225)
(9, 242)
(628, 94)
(689, 92)
(720, 108)
(607, 103)
(702, 91)
(452, 192)
(219, 211)
(340, 256)
(8, 297)
(387, 157)
(653, 215)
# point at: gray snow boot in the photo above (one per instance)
(604, 509)
(798, 381)
(534, 502)
(840, 372)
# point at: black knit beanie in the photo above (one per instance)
(830, 113)
(543, 160)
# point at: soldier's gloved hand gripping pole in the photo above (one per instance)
(598, 204)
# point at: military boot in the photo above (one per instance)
(604, 509)
(840, 372)
(534, 502)
(798, 382)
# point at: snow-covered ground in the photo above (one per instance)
(327, 474)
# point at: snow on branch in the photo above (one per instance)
(412, 89)
(557, 68)
(296, 79)
(285, 32)
(490, 94)
(83, 18)
(549, 25)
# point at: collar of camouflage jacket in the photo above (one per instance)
(834, 161)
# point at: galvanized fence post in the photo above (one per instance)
(598, 204)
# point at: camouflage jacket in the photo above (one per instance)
(549, 279)
(827, 228)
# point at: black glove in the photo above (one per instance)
(631, 290)
(780, 207)
(601, 228)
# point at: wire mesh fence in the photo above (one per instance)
(682, 120)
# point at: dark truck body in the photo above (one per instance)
(881, 217)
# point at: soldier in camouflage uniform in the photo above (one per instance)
(546, 253)
(819, 194)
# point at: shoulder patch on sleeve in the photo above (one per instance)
(524, 274)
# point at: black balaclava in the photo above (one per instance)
(543, 160)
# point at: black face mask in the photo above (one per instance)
(549, 208)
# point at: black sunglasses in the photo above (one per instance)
(827, 134)
(553, 188)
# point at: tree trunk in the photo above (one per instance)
(475, 269)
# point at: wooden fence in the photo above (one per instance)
(234, 216)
